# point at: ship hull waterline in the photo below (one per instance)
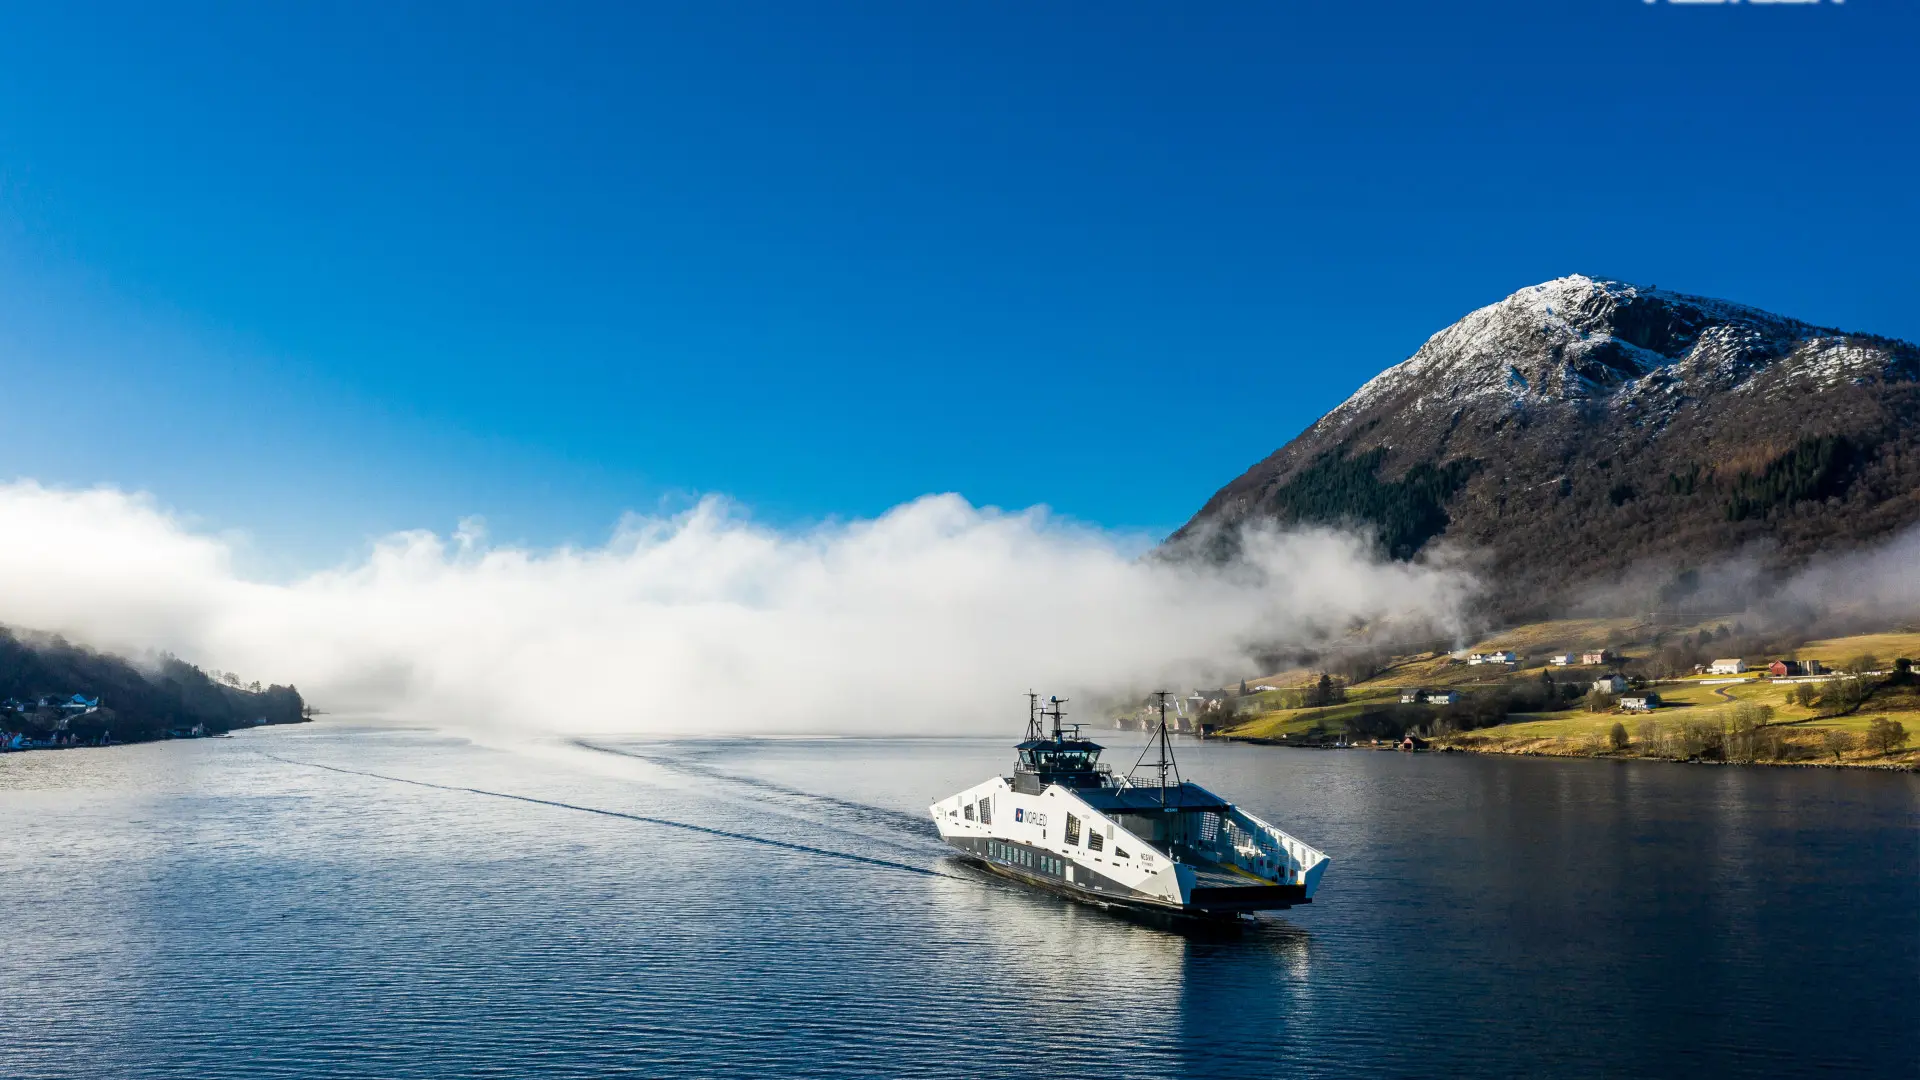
(1140, 905)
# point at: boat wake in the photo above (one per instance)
(845, 856)
(893, 821)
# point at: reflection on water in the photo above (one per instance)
(327, 901)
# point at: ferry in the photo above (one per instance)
(1066, 822)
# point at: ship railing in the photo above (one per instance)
(1263, 847)
(1149, 780)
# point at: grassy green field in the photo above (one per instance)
(1688, 701)
(1884, 646)
(1293, 723)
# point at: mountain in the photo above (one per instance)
(1582, 427)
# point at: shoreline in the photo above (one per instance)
(81, 744)
(1442, 747)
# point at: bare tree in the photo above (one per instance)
(1836, 741)
(1886, 735)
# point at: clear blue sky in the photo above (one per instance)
(320, 272)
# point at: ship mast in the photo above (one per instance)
(1055, 714)
(1033, 716)
(1160, 742)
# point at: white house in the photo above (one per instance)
(1560, 659)
(1640, 703)
(1611, 684)
(1202, 700)
(1727, 667)
(1410, 697)
(1498, 656)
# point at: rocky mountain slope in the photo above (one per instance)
(1582, 429)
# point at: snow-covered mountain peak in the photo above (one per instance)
(1581, 339)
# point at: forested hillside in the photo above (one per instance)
(134, 704)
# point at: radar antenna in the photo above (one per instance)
(1033, 716)
(1054, 714)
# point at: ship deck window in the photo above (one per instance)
(969, 809)
(1209, 826)
(1073, 829)
(1121, 853)
(1094, 841)
(986, 812)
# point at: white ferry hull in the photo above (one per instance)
(1204, 857)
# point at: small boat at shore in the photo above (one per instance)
(1066, 822)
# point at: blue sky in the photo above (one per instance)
(322, 272)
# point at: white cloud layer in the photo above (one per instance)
(935, 616)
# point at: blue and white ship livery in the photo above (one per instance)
(1068, 823)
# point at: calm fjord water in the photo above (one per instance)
(228, 908)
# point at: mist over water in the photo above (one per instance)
(932, 617)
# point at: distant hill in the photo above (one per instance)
(134, 703)
(1583, 426)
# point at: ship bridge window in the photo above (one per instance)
(1073, 829)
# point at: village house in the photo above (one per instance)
(1640, 702)
(1443, 697)
(1204, 700)
(1498, 656)
(1732, 666)
(1601, 657)
(1410, 697)
(1561, 659)
(1785, 668)
(1610, 684)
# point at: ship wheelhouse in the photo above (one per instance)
(1069, 762)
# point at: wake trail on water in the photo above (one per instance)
(662, 822)
(892, 820)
